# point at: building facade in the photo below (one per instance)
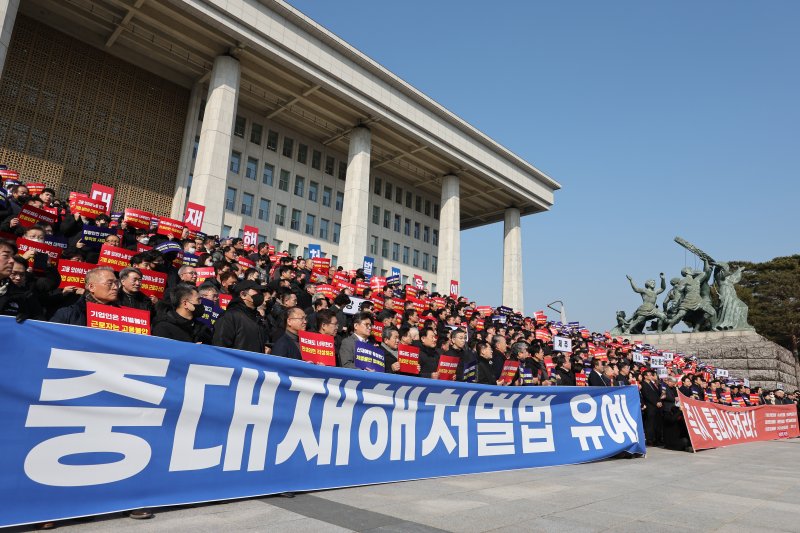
(255, 111)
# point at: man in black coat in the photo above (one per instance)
(564, 375)
(240, 326)
(102, 287)
(288, 345)
(428, 356)
(596, 378)
(651, 398)
(499, 347)
(179, 323)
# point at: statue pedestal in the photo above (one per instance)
(744, 353)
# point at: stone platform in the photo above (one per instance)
(745, 354)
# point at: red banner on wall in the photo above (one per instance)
(714, 425)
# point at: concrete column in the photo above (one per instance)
(355, 212)
(8, 14)
(449, 234)
(187, 146)
(214, 151)
(512, 260)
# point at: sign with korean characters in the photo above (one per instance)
(562, 344)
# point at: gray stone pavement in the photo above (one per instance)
(749, 487)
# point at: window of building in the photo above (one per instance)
(196, 146)
(239, 126)
(436, 237)
(278, 245)
(201, 113)
(434, 264)
(409, 198)
(388, 191)
(302, 153)
(419, 204)
(373, 244)
(292, 249)
(406, 251)
(405, 279)
(334, 260)
(313, 190)
(426, 234)
(337, 229)
(299, 186)
(323, 228)
(427, 208)
(272, 140)
(424, 261)
(280, 218)
(395, 252)
(376, 214)
(295, 222)
(415, 259)
(311, 223)
(251, 171)
(283, 181)
(256, 130)
(236, 161)
(330, 162)
(288, 147)
(230, 199)
(268, 175)
(247, 204)
(339, 200)
(384, 248)
(342, 170)
(416, 230)
(263, 209)
(327, 192)
(398, 196)
(387, 219)
(316, 159)
(407, 227)
(226, 232)
(436, 211)
(397, 220)
(378, 185)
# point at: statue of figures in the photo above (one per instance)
(622, 324)
(695, 297)
(732, 311)
(648, 309)
(671, 302)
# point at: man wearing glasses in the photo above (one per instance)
(102, 287)
(131, 294)
(362, 327)
(288, 345)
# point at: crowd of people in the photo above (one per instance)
(223, 293)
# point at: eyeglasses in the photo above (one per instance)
(302, 319)
(16, 274)
(112, 283)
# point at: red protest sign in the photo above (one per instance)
(341, 285)
(35, 189)
(327, 291)
(245, 262)
(89, 208)
(204, 273)
(484, 310)
(53, 252)
(419, 305)
(377, 283)
(125, 319)
(453, 289)
(153, 283)
(341, 277)
(509, 371)
(377, 331)
(361, 286)
(581, 379)
(377, 301)
(317, 348)
(447, 367)
(194, 216)
(30, 216)
(418, 283)
(73, 273)
(169, 227)
(101, 193)
(437, 303)
(224, 300)
(250, 235)
(137, 218)
(408, 357)
(115, 257)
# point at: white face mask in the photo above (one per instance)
(143, 240)
(191, 250)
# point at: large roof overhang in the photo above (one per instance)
(299, 74)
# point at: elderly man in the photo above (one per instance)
(102, 287)
(187, 274)
(288, 345)
(131, 294)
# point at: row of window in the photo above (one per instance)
(295, 222)
(405, 224)
(417, 203)
(409, 256)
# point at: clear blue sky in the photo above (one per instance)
(657, 118)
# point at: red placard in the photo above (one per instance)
(169, 227)
(35, 189)
(377, 331)
(419, 305)
(89, 208)
(321, 266)
(125, 319)
(447, 367)
(245, 262)
(103, 194)
(485, 310)
(137, 218)
(224, 300)
(713, 425)
(453, 289)
(377, 301)
(437, 303)
(327, 291)
(115, 257)
(204, 273)
(193, 218)
(361, 286)
(341, 277)
(33, 215)
(53, 252)
(153, 283)
(418, 283)
(509, 371)
(581, 380)
(317, 348)
(408, 357)
(341, 285)
(377, 283)
(250, 235)
(73, 273)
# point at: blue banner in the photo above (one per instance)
(97, 421)
(314, 250)
(368, 266)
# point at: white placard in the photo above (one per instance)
(562, 344)
(656, 361)
(747, 383)
(721, 373)
(638, 357)
(354, 307)
(662, 372)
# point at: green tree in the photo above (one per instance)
(772, 291)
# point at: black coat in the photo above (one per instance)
(651, 394)
(564, 377)
(74, 314)
(174, 326)
(239, 327)
(597, 380)
(287, 346)
(485, 372)
(498, 360)
(137, 300)
(428, 361)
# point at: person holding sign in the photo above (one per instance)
(288, 345)
(362, 327)
(180, 322)
(102, 287)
